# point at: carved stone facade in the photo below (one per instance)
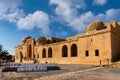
(100, 44)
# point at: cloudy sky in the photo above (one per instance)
(58, 18)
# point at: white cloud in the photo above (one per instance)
(6, 5)
(82, 21)
(69, 14)
(66, 8)
(99, 2)
(67, 11)
(38, 19)
(13, 17)
(111, 14)
(9, 11)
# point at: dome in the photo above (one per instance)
(41, 40)
(25, 38)
(95, 25)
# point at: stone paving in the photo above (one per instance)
(67, 72)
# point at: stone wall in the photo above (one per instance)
(97, 46)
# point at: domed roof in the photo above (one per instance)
(41, 40)
(25, 38)
(95, 25)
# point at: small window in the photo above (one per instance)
(96, 52)
(86, 53)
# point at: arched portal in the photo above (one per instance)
(21, 56)
(30, 51)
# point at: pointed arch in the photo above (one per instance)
(64, 51)
(74, 50)
(50, 52)
(21, 57)
(44, 53)
(30, 51)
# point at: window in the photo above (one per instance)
(74, 50)
(50, 52)
(64, 51)
(96, 52)
(86, 53)
(44, 53)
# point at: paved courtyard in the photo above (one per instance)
(67, 72)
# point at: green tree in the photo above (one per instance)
(0, 52)
(4, 55)
(0, 48)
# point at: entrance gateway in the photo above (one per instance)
(21, 57)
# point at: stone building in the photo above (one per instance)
(100, 44)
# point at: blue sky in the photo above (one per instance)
(58, 18)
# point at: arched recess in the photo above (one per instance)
(30, 51)
(74, 50)
(21, 57)
(50, 52)
(44, 53)
(64, 51)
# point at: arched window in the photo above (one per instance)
(44, 53)
(50, 52)
(64, 51)
(74, 50)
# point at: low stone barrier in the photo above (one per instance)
(23, 67)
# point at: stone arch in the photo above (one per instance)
(50, 52)
(64, 51)
(74, 50)
(44, 53)
(21, 57)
